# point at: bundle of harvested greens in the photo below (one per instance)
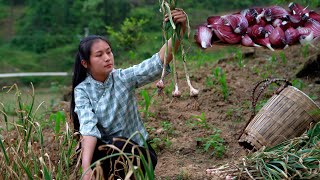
(297, 158)
(172, 30)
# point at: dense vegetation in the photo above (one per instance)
(41, 35)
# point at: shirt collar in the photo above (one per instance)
(107, 82)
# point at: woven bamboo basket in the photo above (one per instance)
(284, 116)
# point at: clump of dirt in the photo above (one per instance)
(180, 155)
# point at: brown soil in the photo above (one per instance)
(185, 158)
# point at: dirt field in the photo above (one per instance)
(184, 157)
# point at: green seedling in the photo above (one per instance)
(305, 50)
(224, 86)
(274, 58)
(283, 57)
(239, 58)
(146, 102)
(59, 119)
(167, 127)
(214, 142)
(221, 78)
(209, 82)
(298, 83)
(200, 121)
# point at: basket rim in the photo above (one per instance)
(318, 106)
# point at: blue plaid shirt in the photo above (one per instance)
(109, 109)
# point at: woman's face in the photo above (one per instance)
(101, 60)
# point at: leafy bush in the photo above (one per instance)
(129, 34)
(40, 42)
(153, 19)
(3, 11)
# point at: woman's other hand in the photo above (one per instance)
(178, 16)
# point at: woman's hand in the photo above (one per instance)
(178, 16)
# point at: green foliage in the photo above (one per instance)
(167, 127)
(12, 2)
(273, 58)
(310, 3)
(199, 120)
(283, 57)
(260, 104)
(305, 50)
(15, 60)
(221, 78)
(129, 35)
(239, 58)
(59, 119)
(44, 41)
(162, 140)
(12, 60)
(53, 30)
(30, 153)
(298, 83)
(214, 142)
(147, 13)
(296, 158)
(216, 5)
(4, 11)
(209, 82)
(44, 25)
(146, 102)
(158, 143)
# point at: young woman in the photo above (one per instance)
(103, 105)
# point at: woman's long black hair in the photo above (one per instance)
(79, 72)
